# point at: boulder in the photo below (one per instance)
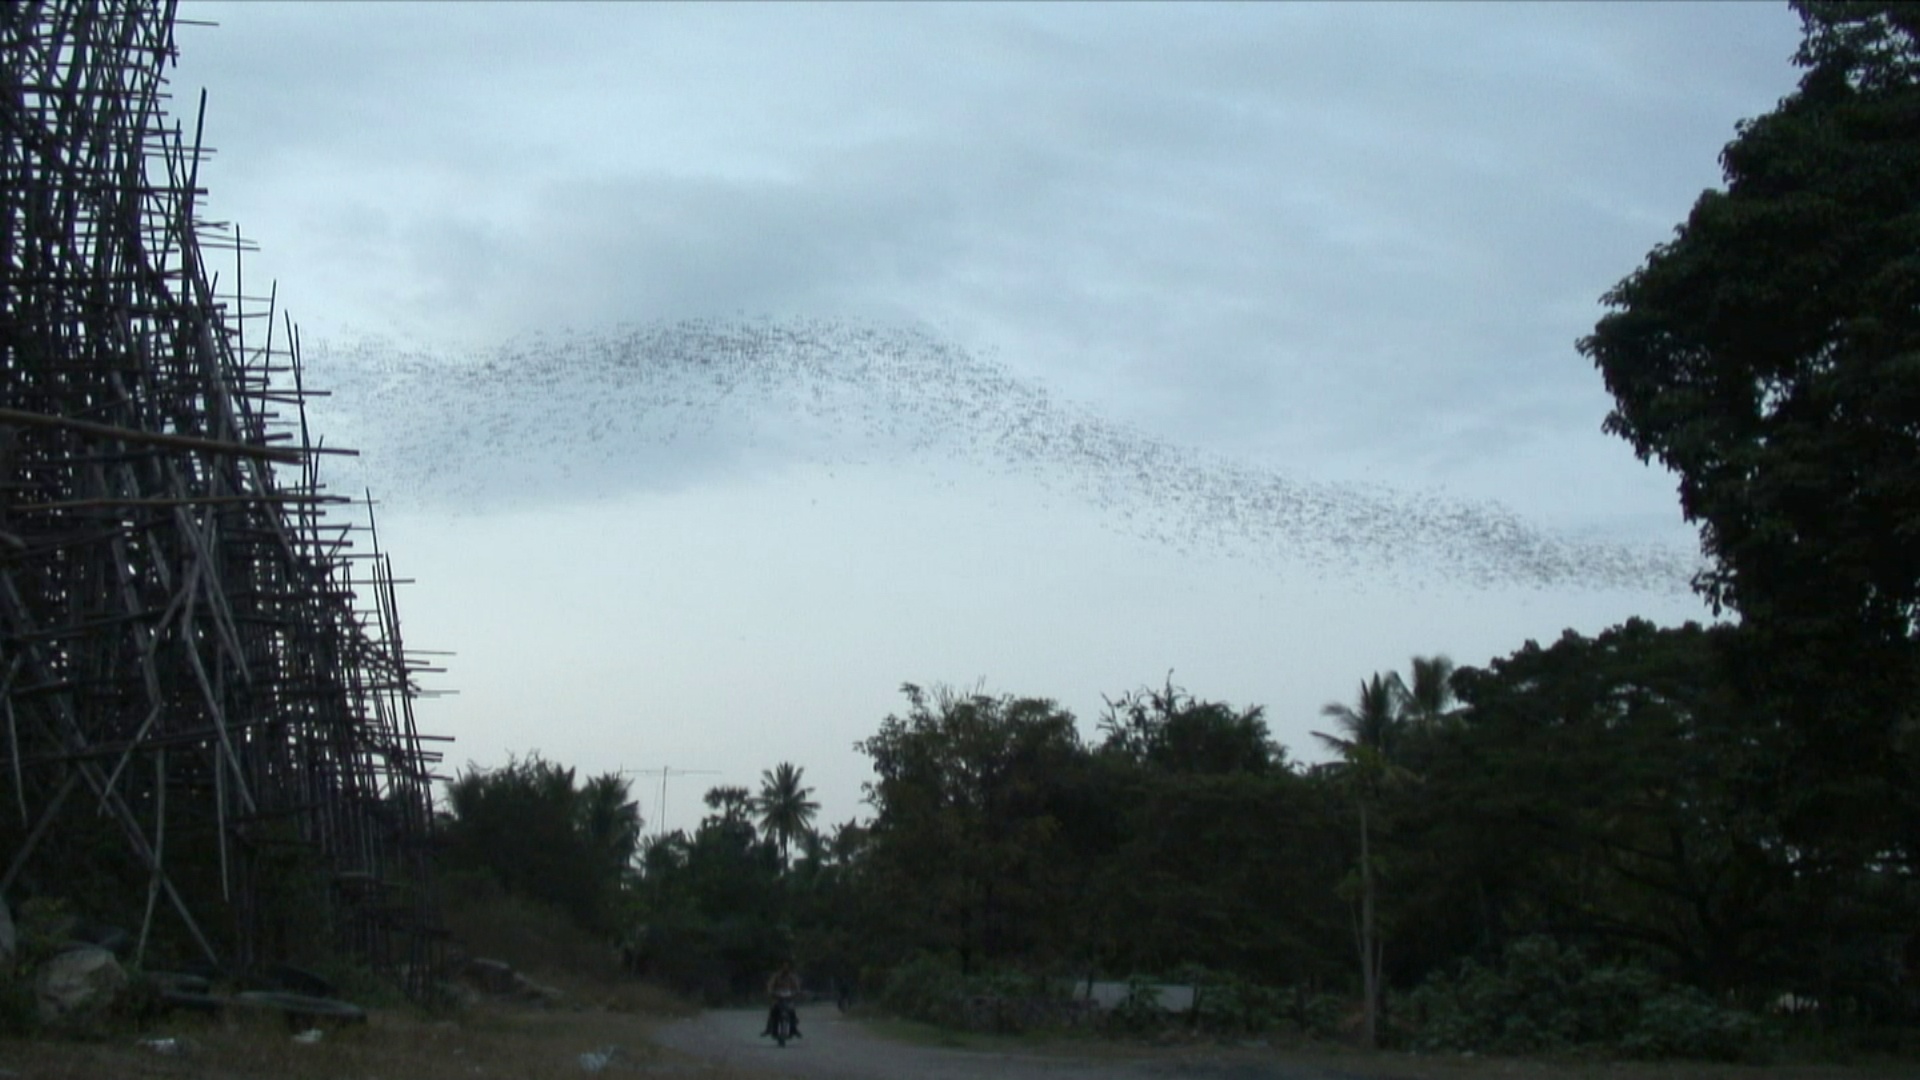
(78, 983)
(301, 1010)
(499, 980)
(540, 993)
(450, 994)
(491, 976)
(111, 938)
(301, 981)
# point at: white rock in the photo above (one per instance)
(78, 982)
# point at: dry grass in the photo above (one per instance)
(545, 946)
(503, 1043)
(602, 1007)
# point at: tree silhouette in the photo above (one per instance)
(784, 809)
(1372, 726)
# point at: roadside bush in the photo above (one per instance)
(1685, 1023)
(1141, 1012)
(922, 989)
(40, 926)
(1320, 1015)
(1546, 998)
(1226, 1004)
(1007, 1003)
(16, 1003)
(714, 961)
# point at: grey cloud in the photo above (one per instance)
(1259, 229)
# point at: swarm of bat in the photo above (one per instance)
(576, 415)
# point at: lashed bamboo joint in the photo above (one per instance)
(207, 705)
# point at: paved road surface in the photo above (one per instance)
(834, 1048)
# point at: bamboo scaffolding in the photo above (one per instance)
(179, 629)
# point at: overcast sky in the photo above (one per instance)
(721, 367)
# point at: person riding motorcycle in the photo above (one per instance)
(783, 988)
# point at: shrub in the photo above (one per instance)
(1140, 1012)
(930, 991)
(1546, 998)
(1229, 1005)
(1685, 1023)
(923, 989)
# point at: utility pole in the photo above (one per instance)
(660, 808)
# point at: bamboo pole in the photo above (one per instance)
(24, 418)
(167, 596)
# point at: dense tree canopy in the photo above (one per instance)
(1770, 353)
(1168, 729)
(1733, 810)
(968, 808)
(1630, 797)
(528, 827)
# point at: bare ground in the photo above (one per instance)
(542, 1044)
(834, 1047)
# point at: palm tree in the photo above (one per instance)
(1373, 722)
(784, 809)
(732, 804)
(1372, 727)
(1429, 697)
(609, 820)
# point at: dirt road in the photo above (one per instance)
(834, 1048)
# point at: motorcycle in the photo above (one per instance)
(785, 1022)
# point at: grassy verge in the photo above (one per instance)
(1312, 1057)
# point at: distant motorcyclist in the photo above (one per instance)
(783, 988)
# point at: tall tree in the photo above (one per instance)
(1625, 791)
(1170, 729)
(1372, 726)
(609, 819)
(522, 824)
(1429, 694)
(1769, 354)
(966, 837)
(731, 805)
(783, 806)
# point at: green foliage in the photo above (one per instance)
(1770, 353)
(1140, 1011)
(934, 992)
(718, 961)
(1375, 727)
(1168, 729)
(715, 905)
(1684, 1022)
(1001, 840)
(1634, 789)
(1227, 1005)
(40, 926)
(923, 989)
(967, 841)
(1547, 998)
(786, 813)
(528, 826)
